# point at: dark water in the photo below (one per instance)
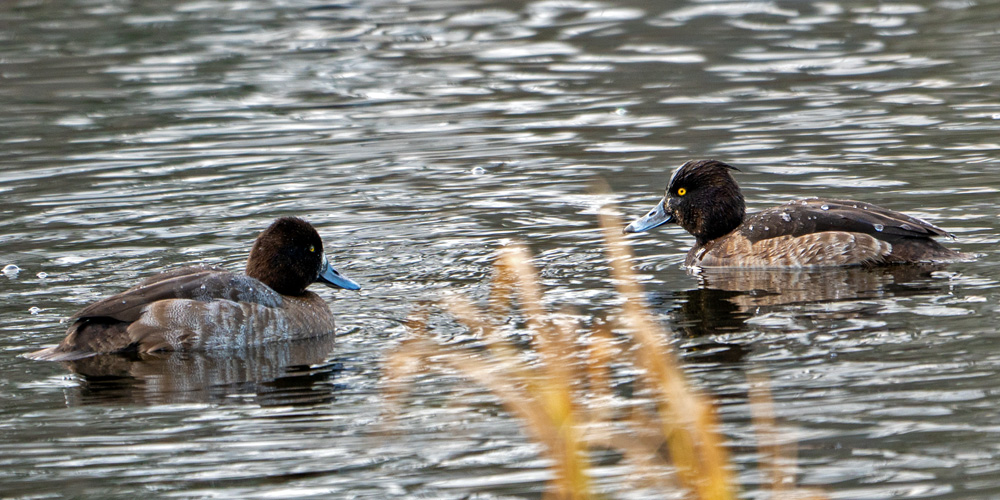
(419, 137)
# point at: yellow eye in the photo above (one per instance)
(312, 249)
(681, 191)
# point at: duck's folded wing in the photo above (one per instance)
(183, 324)
(802, 217)
(194, 283)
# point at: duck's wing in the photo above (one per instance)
(803, 217)
(180, 324)
(195, 283)
(107, 325)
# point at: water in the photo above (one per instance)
(421, 136)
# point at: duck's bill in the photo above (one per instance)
(656, 217)
(332, 277)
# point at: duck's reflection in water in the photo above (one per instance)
(273, 374)
(726, 300)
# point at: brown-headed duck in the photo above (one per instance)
(704, 199)
(194, 308)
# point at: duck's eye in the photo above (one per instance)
(681, 191)
(312, 249)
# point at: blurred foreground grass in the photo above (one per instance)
(560, 388)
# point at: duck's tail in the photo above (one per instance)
(85, 338)
(58, 353)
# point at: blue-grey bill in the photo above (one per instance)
(656, 217)
(332, 277)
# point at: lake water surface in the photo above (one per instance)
(420, 137)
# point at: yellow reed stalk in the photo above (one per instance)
(689, 424)
(540, 395)
(776, 459)
(773, 459)
(561, 389)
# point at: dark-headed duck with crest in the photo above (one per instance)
(704, 199)
(197, 308)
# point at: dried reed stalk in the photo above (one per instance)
(777, 459)
(688, 422)
(561, 389)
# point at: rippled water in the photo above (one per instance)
(421, 136)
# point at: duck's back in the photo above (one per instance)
(821, 232)
(191, 307)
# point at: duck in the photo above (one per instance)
(197, 308)
(703, 198)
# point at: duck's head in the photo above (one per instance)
(702, 197)
(288, 256)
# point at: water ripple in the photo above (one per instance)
(422, 137)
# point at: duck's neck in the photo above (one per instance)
(283, 280)
(721, 218)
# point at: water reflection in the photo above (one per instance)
(267, 375)
(735, 301)
(138, 135)
(770, 287)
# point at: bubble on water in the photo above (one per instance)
(824, 207)
(879, 227)
(621, 111)
(478, 170)
(34, 310)
(10, 270)
(42, 275)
